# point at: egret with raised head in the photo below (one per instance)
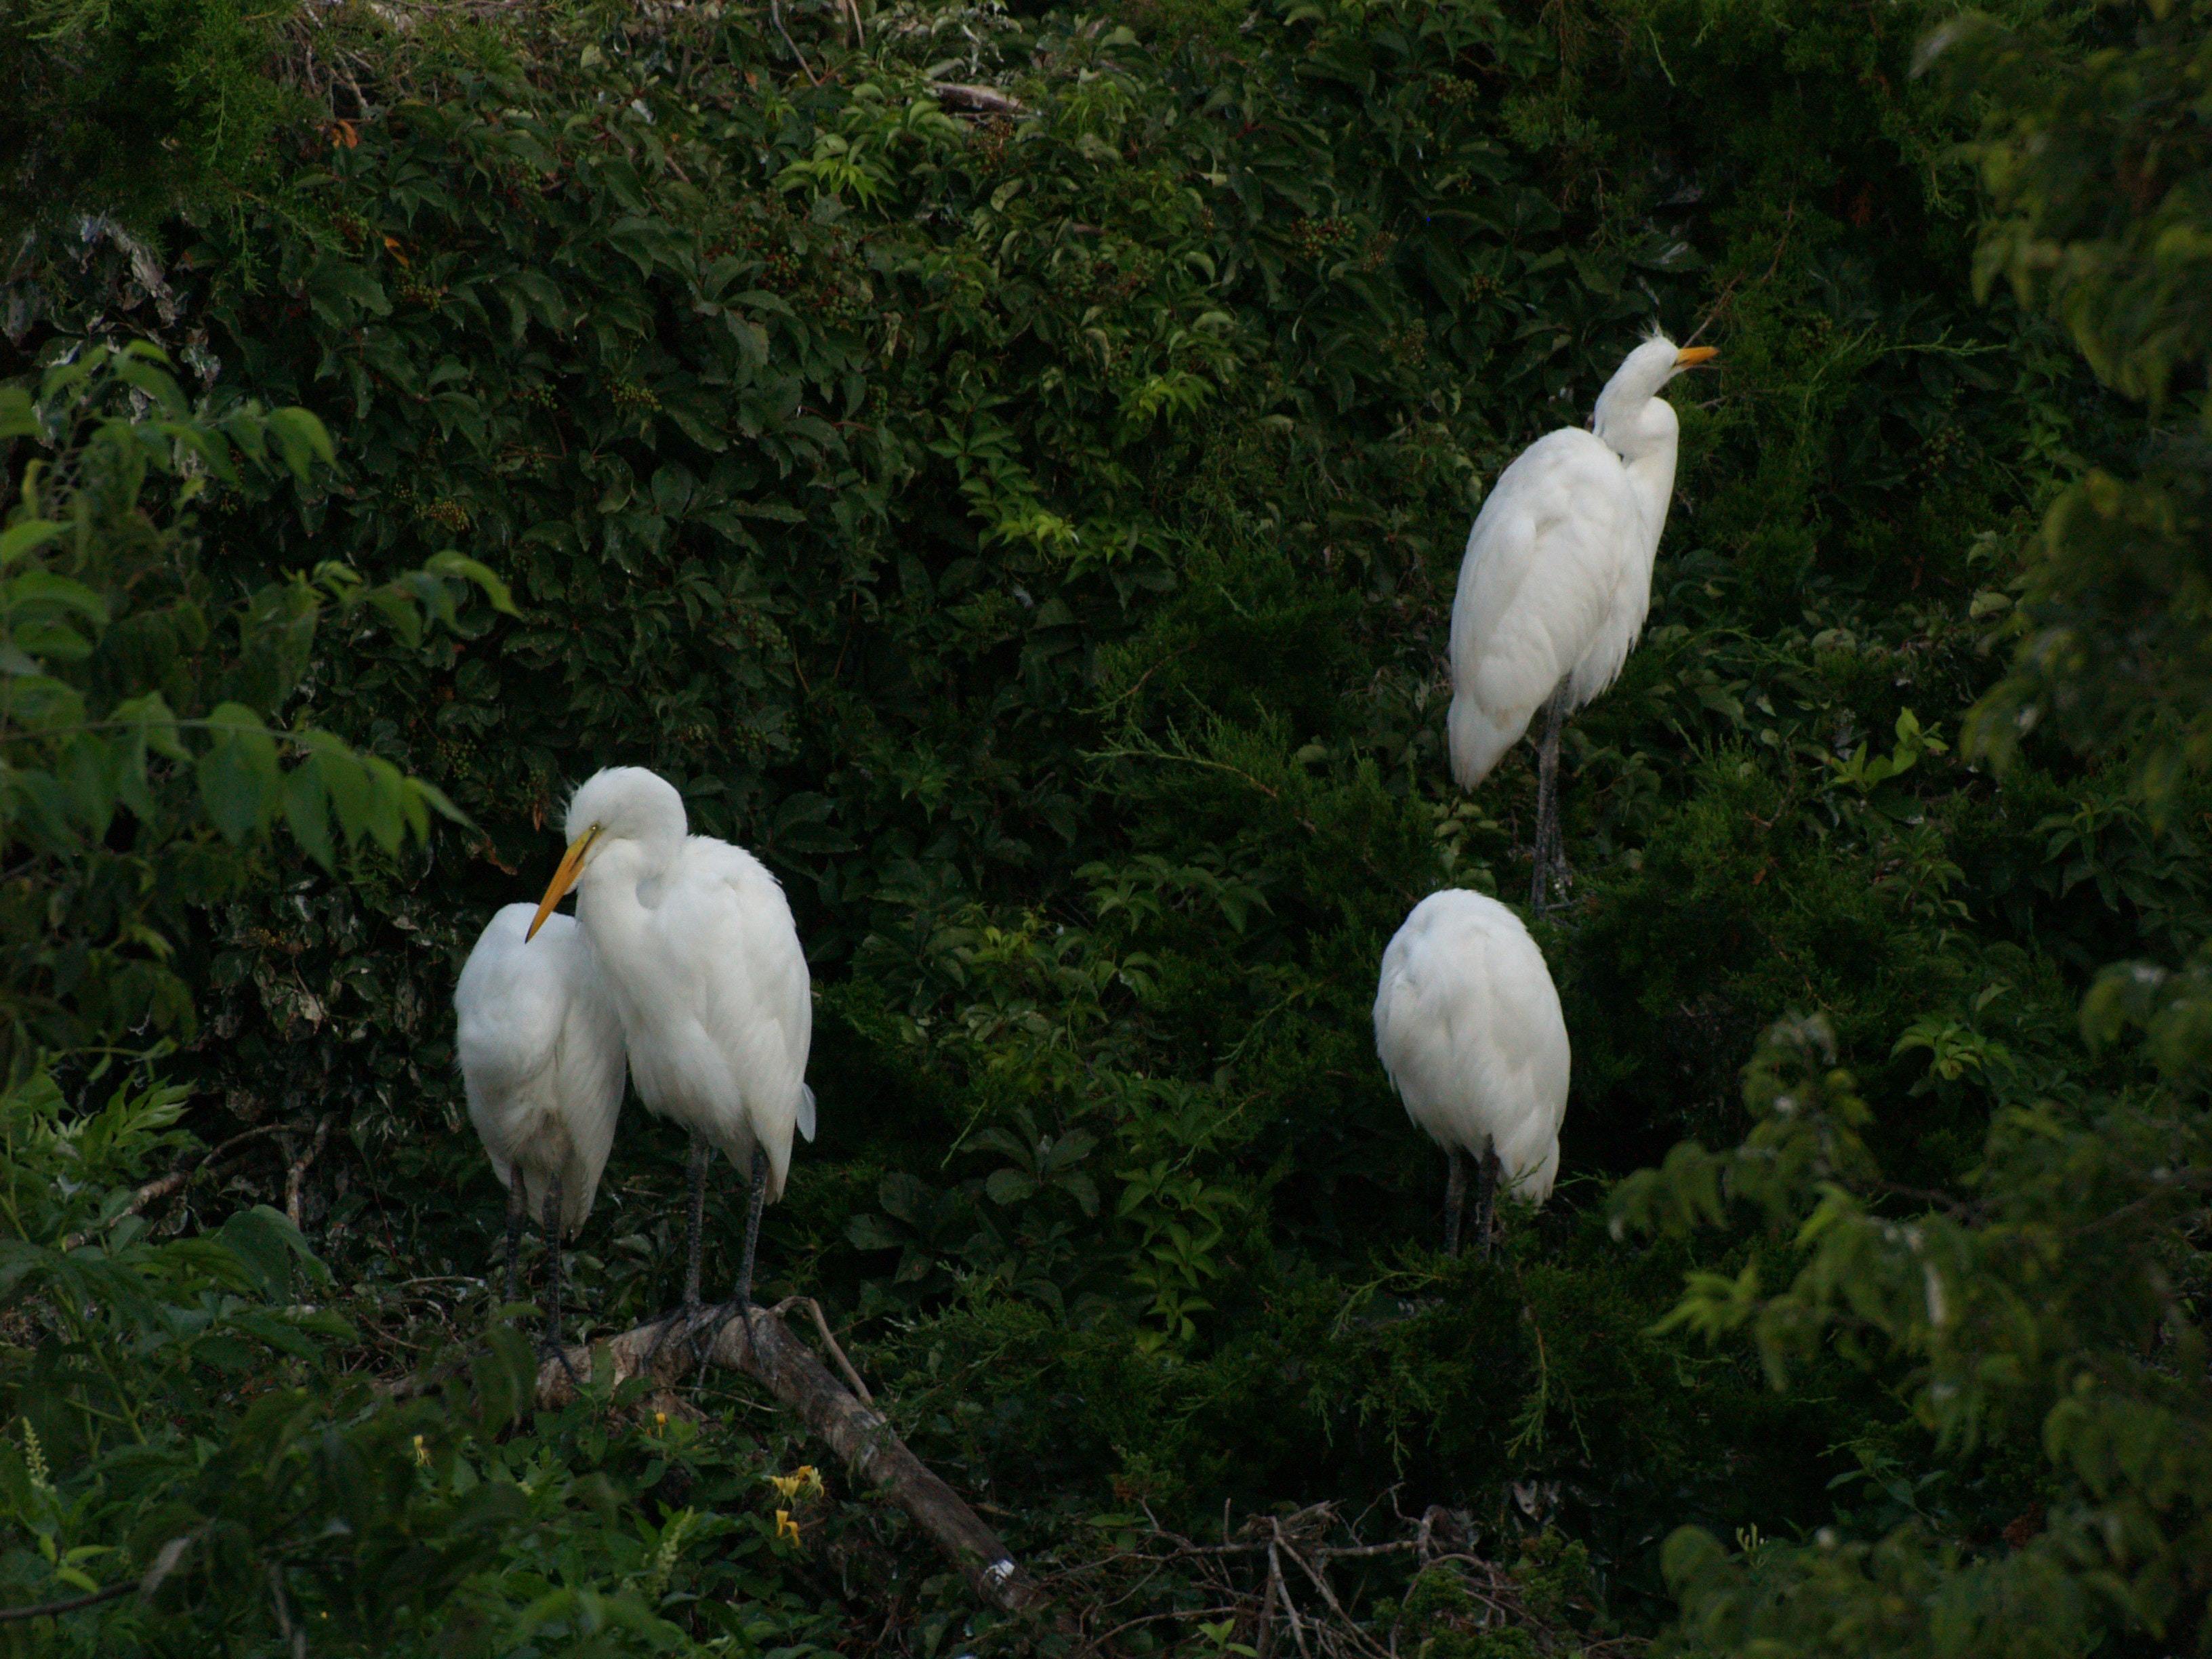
(1468, 1028)
(1557, 579)
(707, 975)
(541, 1055)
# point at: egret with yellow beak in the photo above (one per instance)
(697, 948)
(1557, 579)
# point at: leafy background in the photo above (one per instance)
(1033, 533)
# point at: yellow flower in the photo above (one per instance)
(660, 1419)
(785, 1527)
(804, 1482)
(422, 1452)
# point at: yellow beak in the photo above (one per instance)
(1691, 356)
(572, 865)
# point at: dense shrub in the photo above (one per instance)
(1033, 533)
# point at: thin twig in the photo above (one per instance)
(164, 1563)
(1283, 1589)
(294, 1638)
(52, 1609)
(775, 11)
(162, 1186)
(844, 1365)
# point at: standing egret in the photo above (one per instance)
(707, 978)
(1557, 577)
(1468, 1028)
(541, 1055)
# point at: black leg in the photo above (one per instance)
(550, 1226)
(702, 1155)
(704, 1340)
(745, 1297)
(1455, 1197)
(516, 1203)
(1547, 800)
(1485, 1202)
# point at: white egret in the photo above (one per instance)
(1468, 1028)
(707, 975)
(541, 1056)
(1557, 579)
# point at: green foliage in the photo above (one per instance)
(130, 107)
(1034, 536)
(2100, 174)
(134, 717)
(2046, 1303)
(192, 1463)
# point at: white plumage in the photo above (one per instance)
(706, 973)
(1557, 574)
(1468, 1028)
(541, 1056)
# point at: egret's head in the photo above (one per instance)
(621, 804)
(1624, 408)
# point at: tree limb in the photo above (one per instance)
(977, 100)
(759, 1344)
(295, 1178)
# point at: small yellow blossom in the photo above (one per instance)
(785, 1527)
(660, 1419)
(804, 1482)
(422, 1452)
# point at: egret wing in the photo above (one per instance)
(509, 1006)
(1543, 564)
(761, 1012)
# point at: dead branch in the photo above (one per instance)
(760, 1345)
(1249, 1578)
(775, 11)
(821, 1324)
(964, 100)
(295, 1178)
(162, 1187)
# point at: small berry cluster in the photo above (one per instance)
(1319, 240)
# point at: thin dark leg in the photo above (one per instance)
(703, 1341)
(516, 1203)
(1485, 1201)
(1455, 1197)
(702, 1155)
(550, 1226)
(1547, 800)
(745, 1297)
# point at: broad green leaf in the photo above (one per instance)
(239, 785)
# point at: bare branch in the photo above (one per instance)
(844, 1365)
(758, 1343)
(965, 100)
(295, 1178)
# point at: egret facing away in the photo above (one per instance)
(707, 975)
(1468, 1025)
(1558, 578)
(541, 1054)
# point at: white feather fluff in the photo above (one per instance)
(541, 1057)
(1557, 578)
(1468, 1028)
(705, 967)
